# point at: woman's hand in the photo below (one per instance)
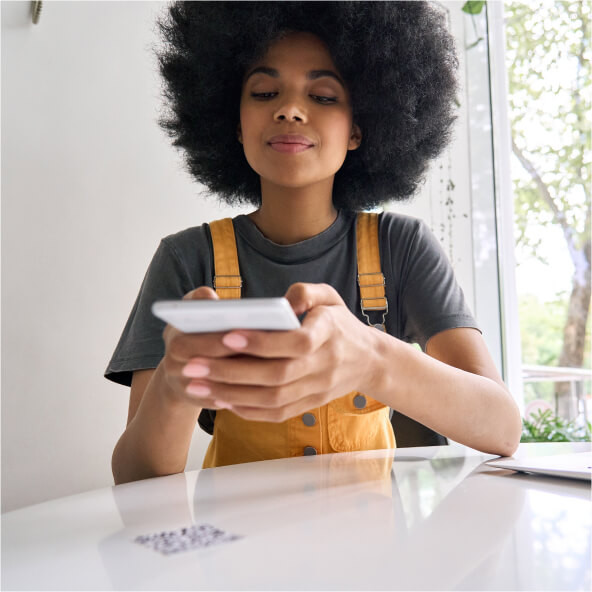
(181, 349)
(276, 375)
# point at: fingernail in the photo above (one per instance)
(199, 390)
(234, 341)
(222, 405)
(195, 370)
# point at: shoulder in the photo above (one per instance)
(186, 253)
(409, 246)
(404, 233)
(394, 223)
(185, 241)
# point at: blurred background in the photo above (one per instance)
(548, 62)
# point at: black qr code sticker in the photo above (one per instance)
(189, 538)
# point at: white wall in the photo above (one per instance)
(89, 186)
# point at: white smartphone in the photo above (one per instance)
(211, 316)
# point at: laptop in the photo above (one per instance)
(576, 465)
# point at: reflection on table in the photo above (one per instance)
(423, 518)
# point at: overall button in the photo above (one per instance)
(308, 419)
(359, 401)
(310, 451)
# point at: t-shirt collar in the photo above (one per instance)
(307, 249)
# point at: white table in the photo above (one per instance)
(434, 519)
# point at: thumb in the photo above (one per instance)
(201, 293)
(303, 297)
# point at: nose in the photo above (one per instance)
(290, 110)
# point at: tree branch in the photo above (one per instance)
(578, 96)
(558, 215)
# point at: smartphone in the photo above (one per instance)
(211, 316)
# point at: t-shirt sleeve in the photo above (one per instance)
(141, 345)
(431, 298)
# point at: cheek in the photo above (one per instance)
(341, 124)
(250, 136)
(250, 125)
(246, 116)
(340, 130)
(244, 121)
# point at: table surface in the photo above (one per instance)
(431, 519)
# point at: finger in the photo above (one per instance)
(209, 403)
(201, 293)
(201, 397)
(312, 334)
(257, 395)
(250, 370)
(277, 415)
(182, 347)
(304, 297)
(305, 341)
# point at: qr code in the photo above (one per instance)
(192, 537)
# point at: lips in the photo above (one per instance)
(290, 143)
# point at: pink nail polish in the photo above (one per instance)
(222, 405)
(234, 341)
(195, 370)
(198, 390)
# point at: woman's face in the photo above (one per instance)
(295, 114)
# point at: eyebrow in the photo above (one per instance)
(311, 75)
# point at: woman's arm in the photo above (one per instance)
(158, 433)
(456, 389)
(163, 410)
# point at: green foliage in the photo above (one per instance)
(548, 59)
(473, 6)
(547, 427)
(548, 56)
(541, 337)
(541, 329)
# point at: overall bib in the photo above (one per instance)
(354, 421)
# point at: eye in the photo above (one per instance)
(264, 95)
(324, 100)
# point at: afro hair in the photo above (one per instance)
(397, 59)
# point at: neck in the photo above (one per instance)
(290, 215)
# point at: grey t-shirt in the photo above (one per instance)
(423, 295)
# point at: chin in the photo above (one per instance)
(297, 179)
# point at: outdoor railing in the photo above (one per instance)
(576, 377)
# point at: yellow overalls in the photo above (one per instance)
(352, 422)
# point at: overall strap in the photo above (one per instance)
(370, 277)
(227, 279)
(228, 282)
